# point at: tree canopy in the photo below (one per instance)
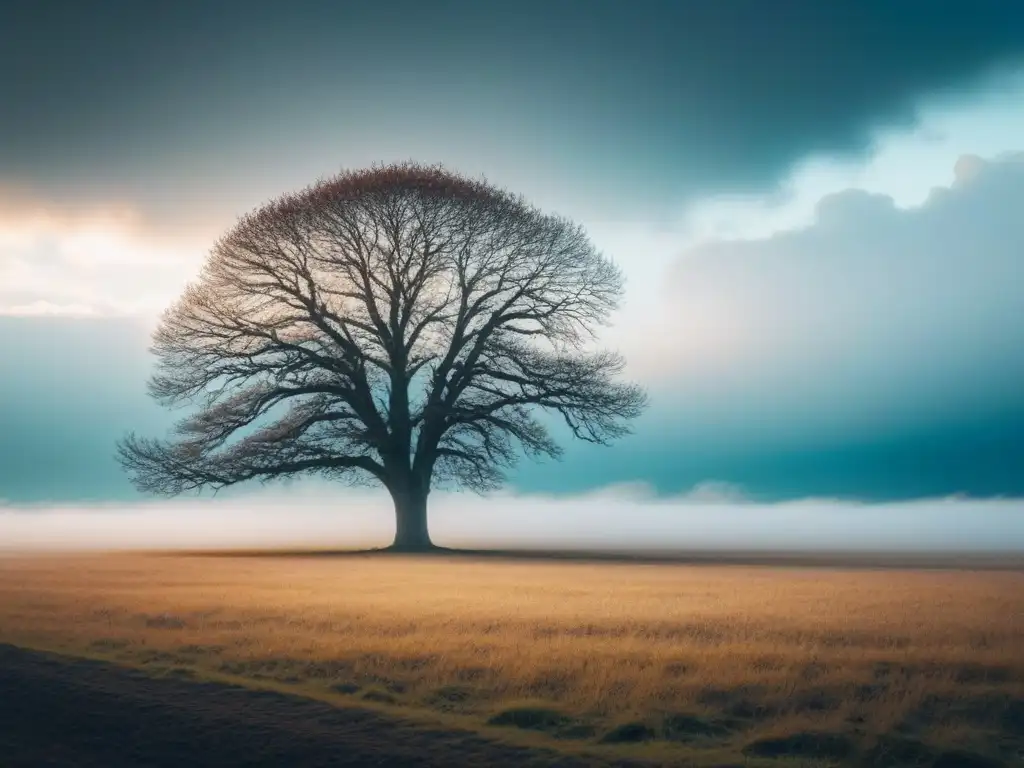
(403, 325)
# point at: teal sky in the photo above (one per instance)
(818, 208)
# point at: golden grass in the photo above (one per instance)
(746, 652)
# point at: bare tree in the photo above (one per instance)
(399, 325)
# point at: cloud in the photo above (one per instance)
(871, 314)
(97, 260)
(313, 516)
(44, 308)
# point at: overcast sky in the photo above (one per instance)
(819, 207)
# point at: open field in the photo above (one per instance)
(676, 664)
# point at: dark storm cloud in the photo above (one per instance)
(671, 97)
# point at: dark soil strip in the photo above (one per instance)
(61, 711)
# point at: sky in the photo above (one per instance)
(817, 208)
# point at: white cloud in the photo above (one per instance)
(871, 312)
(100, 261)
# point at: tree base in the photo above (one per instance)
(415, 549)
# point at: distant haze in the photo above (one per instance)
(712, 517)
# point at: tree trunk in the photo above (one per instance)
(411, 533)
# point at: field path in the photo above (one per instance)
(61, 711)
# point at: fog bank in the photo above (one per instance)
(712, 517)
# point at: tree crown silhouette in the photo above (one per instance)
(403, 325)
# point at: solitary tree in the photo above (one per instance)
(400, 325)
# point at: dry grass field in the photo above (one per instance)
(704, 664)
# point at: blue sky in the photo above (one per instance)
(818, 210)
